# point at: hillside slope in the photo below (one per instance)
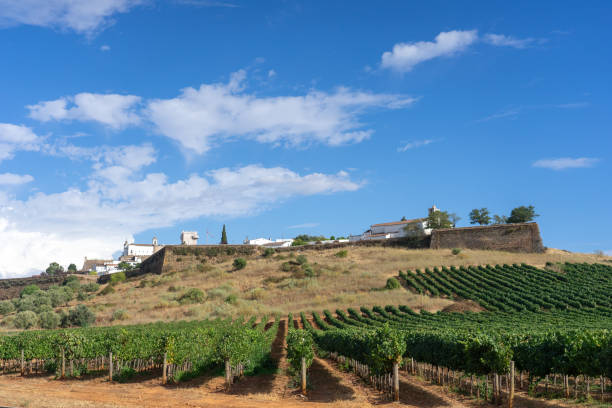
(278, 283)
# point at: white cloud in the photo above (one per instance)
(112, 110)
(82, 16)
(305, 225)
(271, 73)
(118, 202)
(198, 118)
(405, 56)
(566, 163)
(417, 143)
(105, 48)
(16, 137)
(15, 179)
(501, 40)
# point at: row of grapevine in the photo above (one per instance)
(195, 346)
(511, 288)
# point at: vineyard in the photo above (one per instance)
(542, 332)
(175, 351)
(547, 325)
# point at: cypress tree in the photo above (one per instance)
(223, 236)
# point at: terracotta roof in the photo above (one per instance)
(398, 222)
(90, 263)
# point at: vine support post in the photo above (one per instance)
(228, 374)
(22, 363)
(511, 394)
(165, 369)
(303, 375)
(63, 363)
(110, 366)
(494, 389)
(576, 386)
(471, 385)
(566, 385)
(588, 387)
(603, 387)
(395, 381)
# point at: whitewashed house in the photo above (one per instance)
(396, 229)
(268, 243)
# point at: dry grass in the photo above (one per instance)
(264, 288)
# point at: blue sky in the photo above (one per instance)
(128, 119)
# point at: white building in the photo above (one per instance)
(396, 229)
(189, 238)
(268, 243)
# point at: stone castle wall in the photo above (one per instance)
(504, 237)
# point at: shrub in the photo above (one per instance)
(49, 320)
(231, 299)
(257, 293)
(25, 320)
(117, 277)
(63, 318)
(93, 273)
(6, 307)
(81, 316)
(307, 269)
(60, 295)
(108, 289)
(72, 282)
(193, 295)
(392, 283)
(29, 290)
(268, 252)
(342, 254)
(286, 267)
(43, 308)
(301, 259)
(27, 303)
(90, 287)
(239, 263)
(119, 314)
(456, 251)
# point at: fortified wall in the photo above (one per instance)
(177, 257)
(523, 237)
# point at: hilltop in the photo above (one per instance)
(289, 281)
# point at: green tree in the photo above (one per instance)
(25, 319)
(223, 236)
(54, 268)
(480, 216)
(81, 316)
(454, 219)
(49, 320)
(29, 290)
(72, 268)
(125, 266)
(522, 214)
(6, 307)
(439, 219)
(500, 219)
